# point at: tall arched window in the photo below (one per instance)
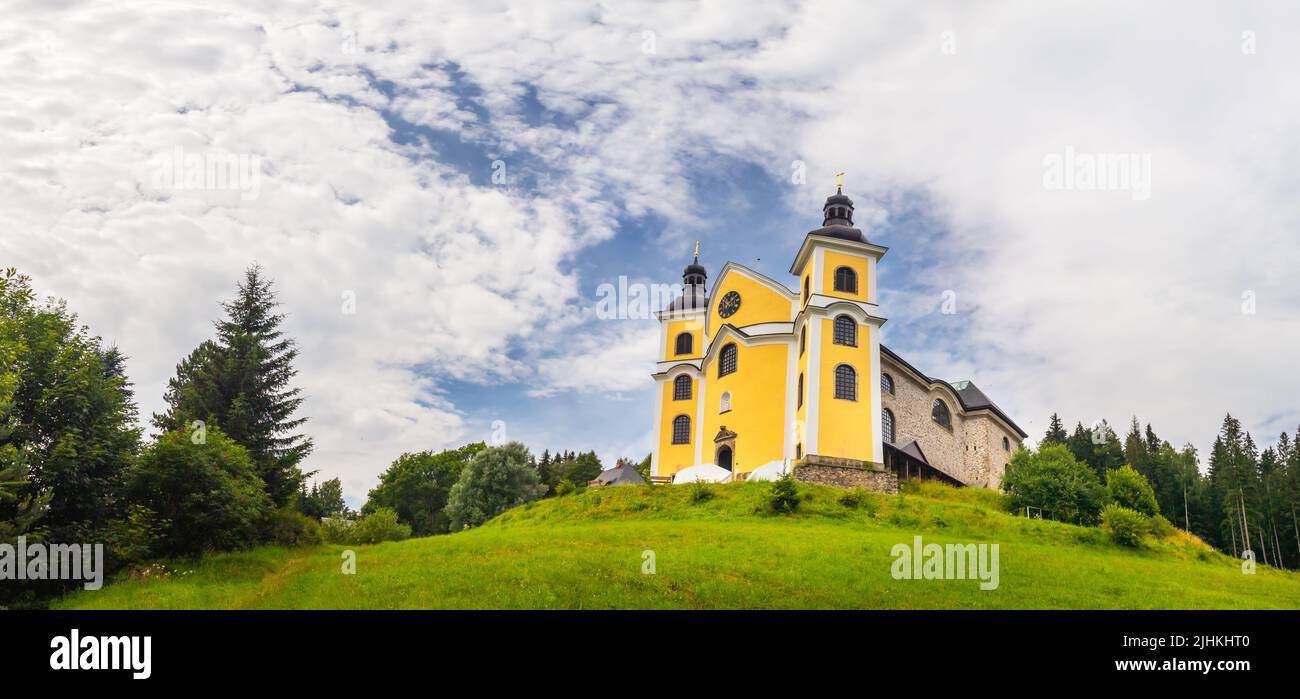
(800, 394)
(685, 343)
(846, 382)
(846, 331)
(681, 430)
(805, 289)
(725, 404)
(887, 383)
(682, 388)
(887, 425)
(727, 360)
(1006, 444)
(846, 280)
(803, 339)
(939, 411)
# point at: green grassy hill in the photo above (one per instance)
(585, 552)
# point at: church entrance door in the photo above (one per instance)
(724, 457)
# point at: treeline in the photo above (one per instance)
(1247, 499)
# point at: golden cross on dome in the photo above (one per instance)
(697, 251)
(839, 180)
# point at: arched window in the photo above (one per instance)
(803, 339)
(727, 361)
(1006, 444)
(939, 411)
(887, 425)
(846, 280)
(798, 450)
(846, 382)
(681, 430)
(682, 388)
(725, 403)
(846, 331)
(800, 394)
(805, 289)
(685, 343)
(887, 383)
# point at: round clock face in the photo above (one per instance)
(729, 304)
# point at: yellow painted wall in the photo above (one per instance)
(757, 414)
(835, 260)
(759, 303)
(843, 425)
(801, 411)
(676, 327)
(675, 457)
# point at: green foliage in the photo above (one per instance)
(643, 468)
(378, 526)
(209, 493)
(416, 486)
(698, 492)
(1128, 488)
(240, 382)
(1127, 527)
(578, 468)
(496, 479)
(1052, 479)
(289, 527)
(323, 500)
(568, 487)
(783, 495)
(336, 530)
(1160, 528)
(67, 417)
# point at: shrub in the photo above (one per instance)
(496, 479)
(783, 495)
(380, 525)
(1128, 488)
(1160, 528)
(698, 492)
(1052, 479)
(853, 499)
(1127, 527)
(567, 487)
(417, 487)
(209, 493)
(288, 527)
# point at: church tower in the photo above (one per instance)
(754, 374)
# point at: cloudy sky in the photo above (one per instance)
(464, 177)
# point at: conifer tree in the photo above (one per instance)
(240, 382)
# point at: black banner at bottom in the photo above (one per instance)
(334, 648)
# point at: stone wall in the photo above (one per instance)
(971, 450)
(861, 474)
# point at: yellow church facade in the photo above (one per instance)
(753, 372)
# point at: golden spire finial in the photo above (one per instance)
(697, 251)
(839, 181)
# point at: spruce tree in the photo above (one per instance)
(240, 382)
(1055, 431)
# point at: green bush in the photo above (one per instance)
(697, 492)
(568, 487)
(1160, 528)
(380, 525)
(288, 527)
(1052, 479)
(1128, 488)
(1127, 527)
(495, 480)
(783, 495)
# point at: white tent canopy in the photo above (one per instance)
(704, 473)
(770, 471)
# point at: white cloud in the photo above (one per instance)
(1084, 302)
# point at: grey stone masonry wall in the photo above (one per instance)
(846, 473)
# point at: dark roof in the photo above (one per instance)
(970, 396)
(840, 232)
(624, 474)
(693, 297)
(913, 449)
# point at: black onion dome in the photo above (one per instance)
(693, 298)
(837, 219)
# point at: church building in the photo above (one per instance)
(756, 375)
